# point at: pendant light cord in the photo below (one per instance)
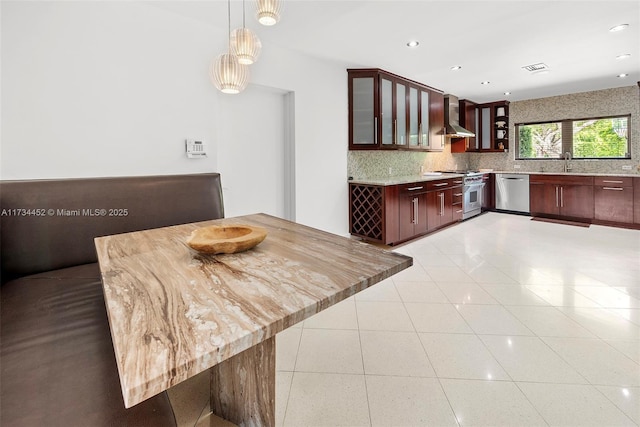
(229, 22)
(243, 23)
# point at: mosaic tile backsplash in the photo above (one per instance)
(384, 164)
(608, 102)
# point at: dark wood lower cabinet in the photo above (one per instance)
(488, 197)
(412, 212)
(397, 213)
(542, 199)
(439, 208)
(563, 196)
(576, 201)
(636, 201)
(457, 203)
(614, 199)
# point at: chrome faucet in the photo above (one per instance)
(567, 158)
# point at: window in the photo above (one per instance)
(593, 138)
(540, 140)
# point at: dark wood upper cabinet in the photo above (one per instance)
(387, 111)
(492, 127)
(489, 122)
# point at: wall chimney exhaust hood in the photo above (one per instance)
(452, 118)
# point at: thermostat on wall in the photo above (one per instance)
(196, 149)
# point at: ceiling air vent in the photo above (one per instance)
(536, 67)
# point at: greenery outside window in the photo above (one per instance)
(592, 138)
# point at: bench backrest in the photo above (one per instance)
(50, 224)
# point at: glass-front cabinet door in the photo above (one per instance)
(436, 121)
(386, 111)
(424, 119)
(400, 120)
(363, 117)
(393, 112)
(485, 141)
(414, 119)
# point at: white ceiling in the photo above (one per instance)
(491, 40)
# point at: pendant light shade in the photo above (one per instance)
(228, 74)
(268, 11)
(246, 45)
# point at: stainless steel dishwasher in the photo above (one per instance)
(512, 192)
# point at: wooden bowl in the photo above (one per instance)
(226, 239)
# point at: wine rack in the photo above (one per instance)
(367, 211)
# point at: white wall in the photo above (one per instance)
(99, 89)
(114, 88)
(251, 152)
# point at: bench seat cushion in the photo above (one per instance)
(58, 364)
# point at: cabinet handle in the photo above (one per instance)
(414, 188)
(441, 195)
(557, 197)
(375, 130)
(440, 184)
(612, 182)
(562, 197)
(395, 131)
(415, 210)
(613, 188)
(457, 182)
(457, 194)
(458, 211)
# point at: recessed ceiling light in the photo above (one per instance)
(623, 75)
(486, 82)
(507, 93)
(413, 43)
(623, 56)
(456, 67)
(618, 28)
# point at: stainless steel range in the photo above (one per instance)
(473, 185)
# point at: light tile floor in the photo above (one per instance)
(502, 321)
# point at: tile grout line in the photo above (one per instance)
(364, 372)
(293, 373)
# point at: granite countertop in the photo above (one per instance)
(570, 173)
(396, 180)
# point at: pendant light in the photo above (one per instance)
(245, 43)
(268, 11)
(226, 72)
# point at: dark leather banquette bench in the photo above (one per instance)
(57, 361)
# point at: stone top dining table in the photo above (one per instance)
(174, 312)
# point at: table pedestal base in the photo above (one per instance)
(243, 388)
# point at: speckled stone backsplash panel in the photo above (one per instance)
(608, 102)
(382, 164)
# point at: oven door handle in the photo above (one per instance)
(470, 187)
